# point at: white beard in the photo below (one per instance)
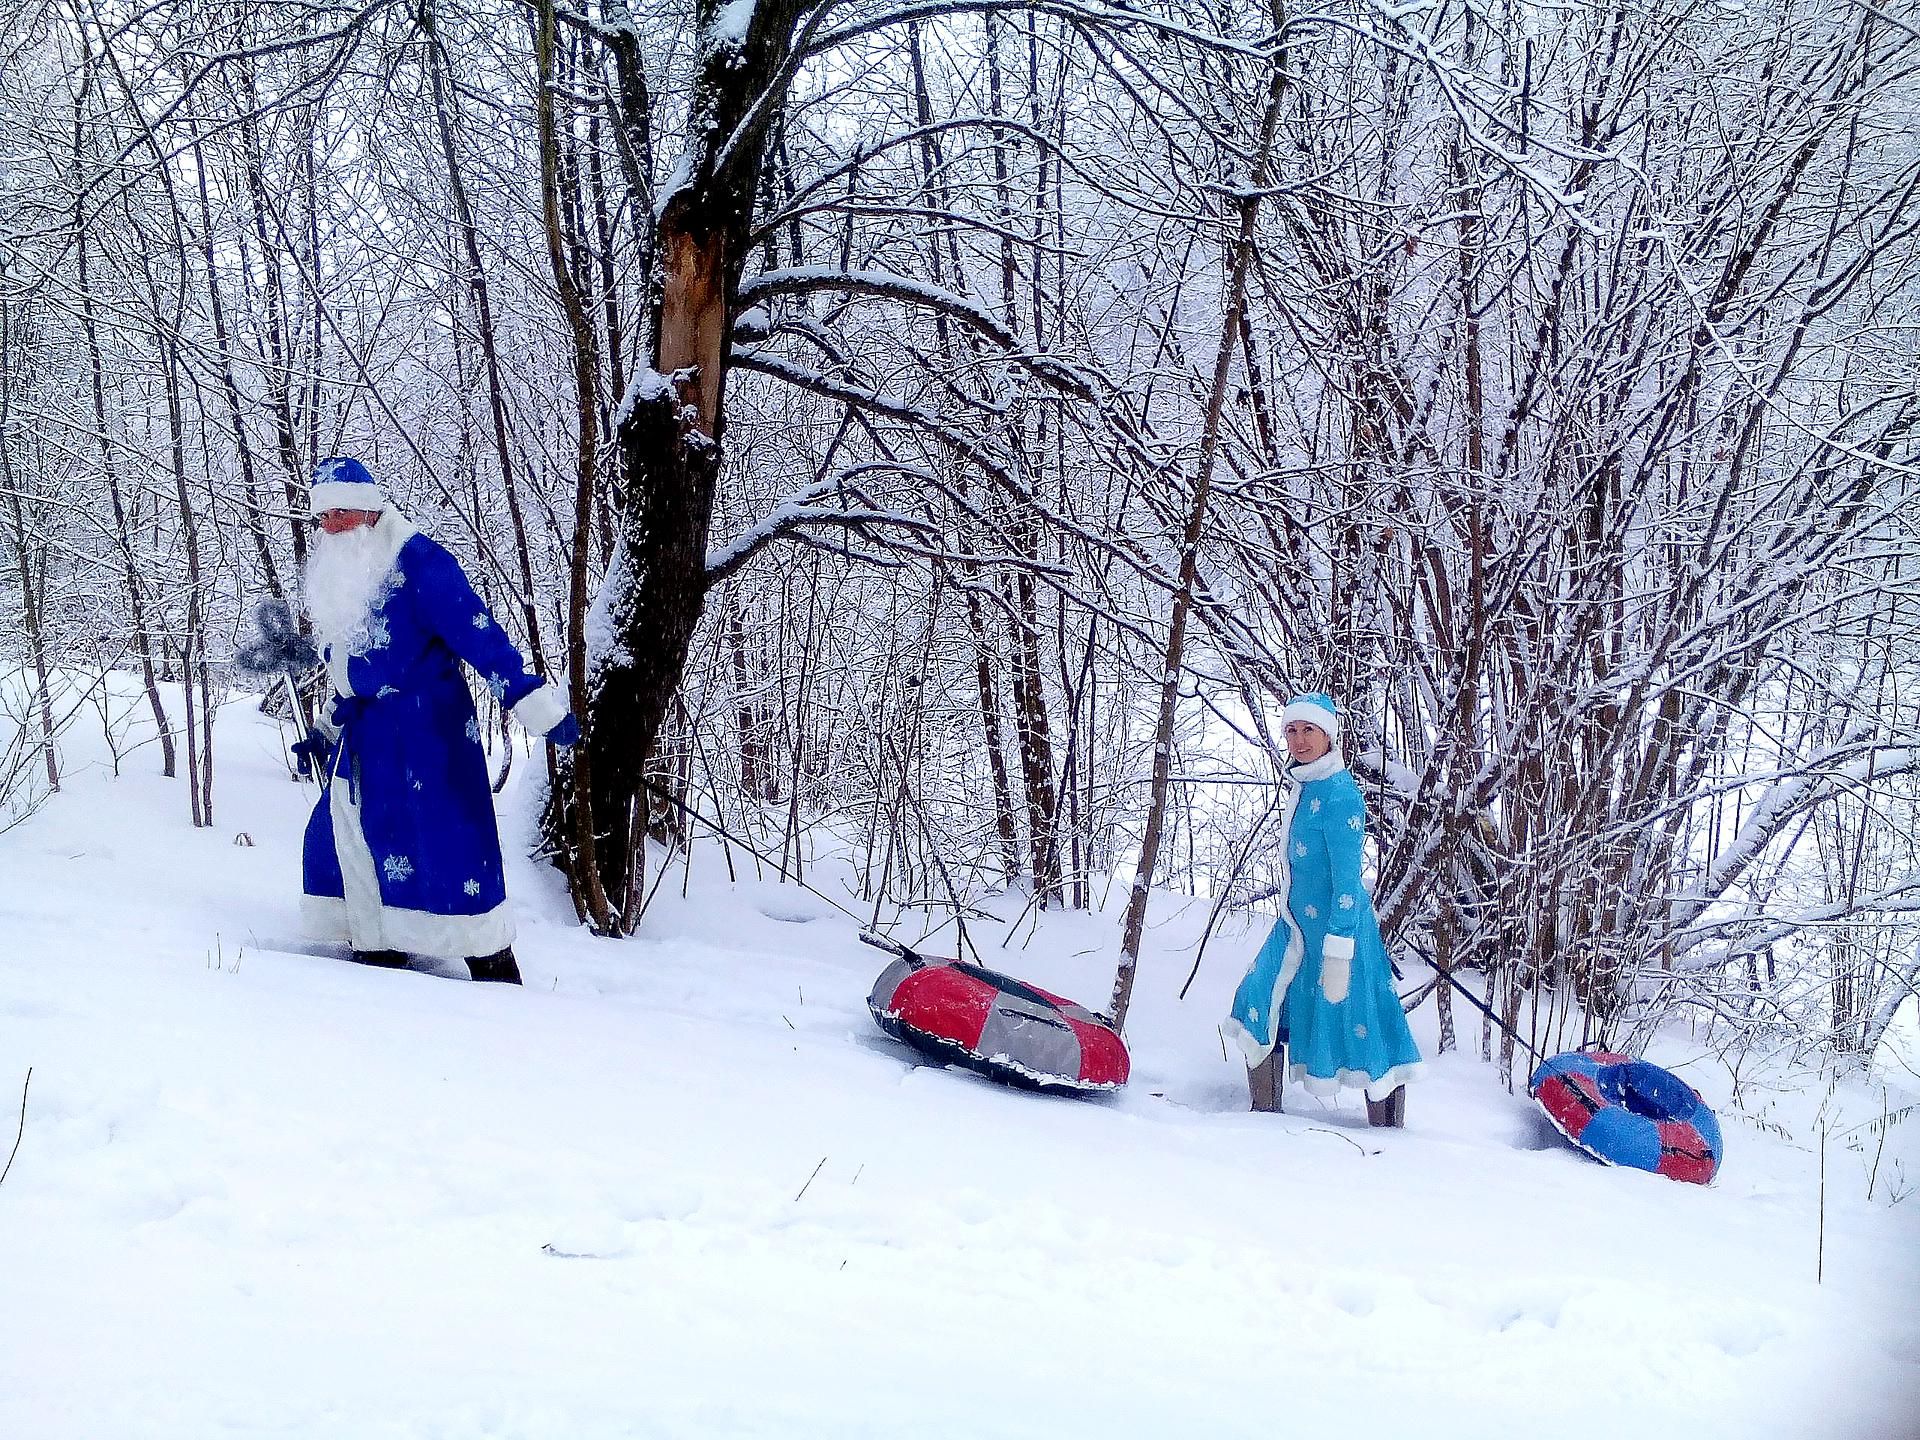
(345, 581)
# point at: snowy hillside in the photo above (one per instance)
(681, 1186)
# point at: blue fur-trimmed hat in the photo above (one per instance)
(1316, 709)
(342, 483)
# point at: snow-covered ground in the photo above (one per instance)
(680, 1186)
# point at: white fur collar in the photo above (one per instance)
(1331, 763)
(394, 529)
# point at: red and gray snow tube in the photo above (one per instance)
(1624, 1111)
(996, 1026)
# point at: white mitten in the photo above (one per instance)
(1336, 967)
(542, 708)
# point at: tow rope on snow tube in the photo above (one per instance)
(1624, 1111)
(996, 1026)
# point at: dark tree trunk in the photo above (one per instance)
(668, 437)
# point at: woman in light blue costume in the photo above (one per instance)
(1321, 986)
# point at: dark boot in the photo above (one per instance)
(385, 959)
(499, 966)
(1263, 1083)
(1390, 1113)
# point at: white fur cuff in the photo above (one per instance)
(540, 710)
(1337, 947)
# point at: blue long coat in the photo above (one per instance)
(402, 852)
(1321, 983)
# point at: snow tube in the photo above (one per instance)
(1624, 1111)
(997, 1026)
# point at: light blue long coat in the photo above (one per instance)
(1321, 983)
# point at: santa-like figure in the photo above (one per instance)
(402, 852)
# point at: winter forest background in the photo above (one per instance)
(944, 433)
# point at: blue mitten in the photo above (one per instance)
(567, 732)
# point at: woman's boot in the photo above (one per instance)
(499, 966)
(1263, 1083)
(1390, 1113)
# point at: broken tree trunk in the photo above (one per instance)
(668, 435)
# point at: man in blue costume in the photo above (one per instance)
(402, 852)
(1321, 987)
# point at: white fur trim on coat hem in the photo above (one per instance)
(1249, 1044)
(417, 932)
(1355, 1079)
(538, 711)
(368, 923)
(324, 917)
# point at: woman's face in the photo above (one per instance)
(1306, 741)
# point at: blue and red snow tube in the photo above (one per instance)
(995, 1025)
(1624, 1111)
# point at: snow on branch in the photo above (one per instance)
(1112, 16)
(805, 279)
(1755, 928)
(1781, 803)
(728, 28)
(991, 462)
(884, 284)
(788, 516)
(969, 447)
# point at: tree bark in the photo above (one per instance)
(1133, 927)
(668, 435)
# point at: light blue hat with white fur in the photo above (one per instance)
(342, 483)
(1315, 709)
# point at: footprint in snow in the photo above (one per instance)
(1742, 1334)
(788, 915)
